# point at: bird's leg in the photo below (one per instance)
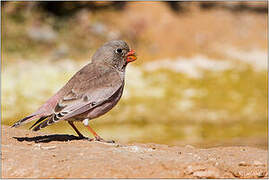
(77, 131)
(96, 136)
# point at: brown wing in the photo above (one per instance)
(92, 86)
(89, 88)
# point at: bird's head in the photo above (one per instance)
(115, 53)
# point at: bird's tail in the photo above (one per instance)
(51, 120)
(30, 118)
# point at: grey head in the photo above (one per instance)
(114, 53)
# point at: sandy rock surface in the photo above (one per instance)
(27, 154)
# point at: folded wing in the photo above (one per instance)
(91, 87)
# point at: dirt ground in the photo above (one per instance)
(27, 154)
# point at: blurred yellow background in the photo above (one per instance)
(200, 77)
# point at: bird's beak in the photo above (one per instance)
(131, 56)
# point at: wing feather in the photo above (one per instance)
(87, 93)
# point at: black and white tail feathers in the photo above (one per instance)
(43, 121)
(51, 120)
(32, 117)
(27, 118)
(38, 121)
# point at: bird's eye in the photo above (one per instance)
(119, 50)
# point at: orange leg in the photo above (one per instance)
(93, 132)
(97, 137)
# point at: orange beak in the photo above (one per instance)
(131, 56)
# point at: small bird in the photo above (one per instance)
(90, 93)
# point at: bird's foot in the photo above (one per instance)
(98, 138)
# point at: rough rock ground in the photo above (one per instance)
(25, 157)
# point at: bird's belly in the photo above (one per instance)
(102, 109)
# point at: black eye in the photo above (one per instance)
(119, 50)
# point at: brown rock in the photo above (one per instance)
(84, 159)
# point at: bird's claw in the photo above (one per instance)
(98, 138)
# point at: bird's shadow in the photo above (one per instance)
(49, 138)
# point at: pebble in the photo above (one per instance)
(117, 145)
(189, 146)
(257, 163)
(191, 169)
(261, 174)
(49, 147)
(212, 159)
(197, 157)
(29, 143)
(37, 146)
(242, 163)
(206, 174)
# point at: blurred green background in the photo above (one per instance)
(200, 77)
